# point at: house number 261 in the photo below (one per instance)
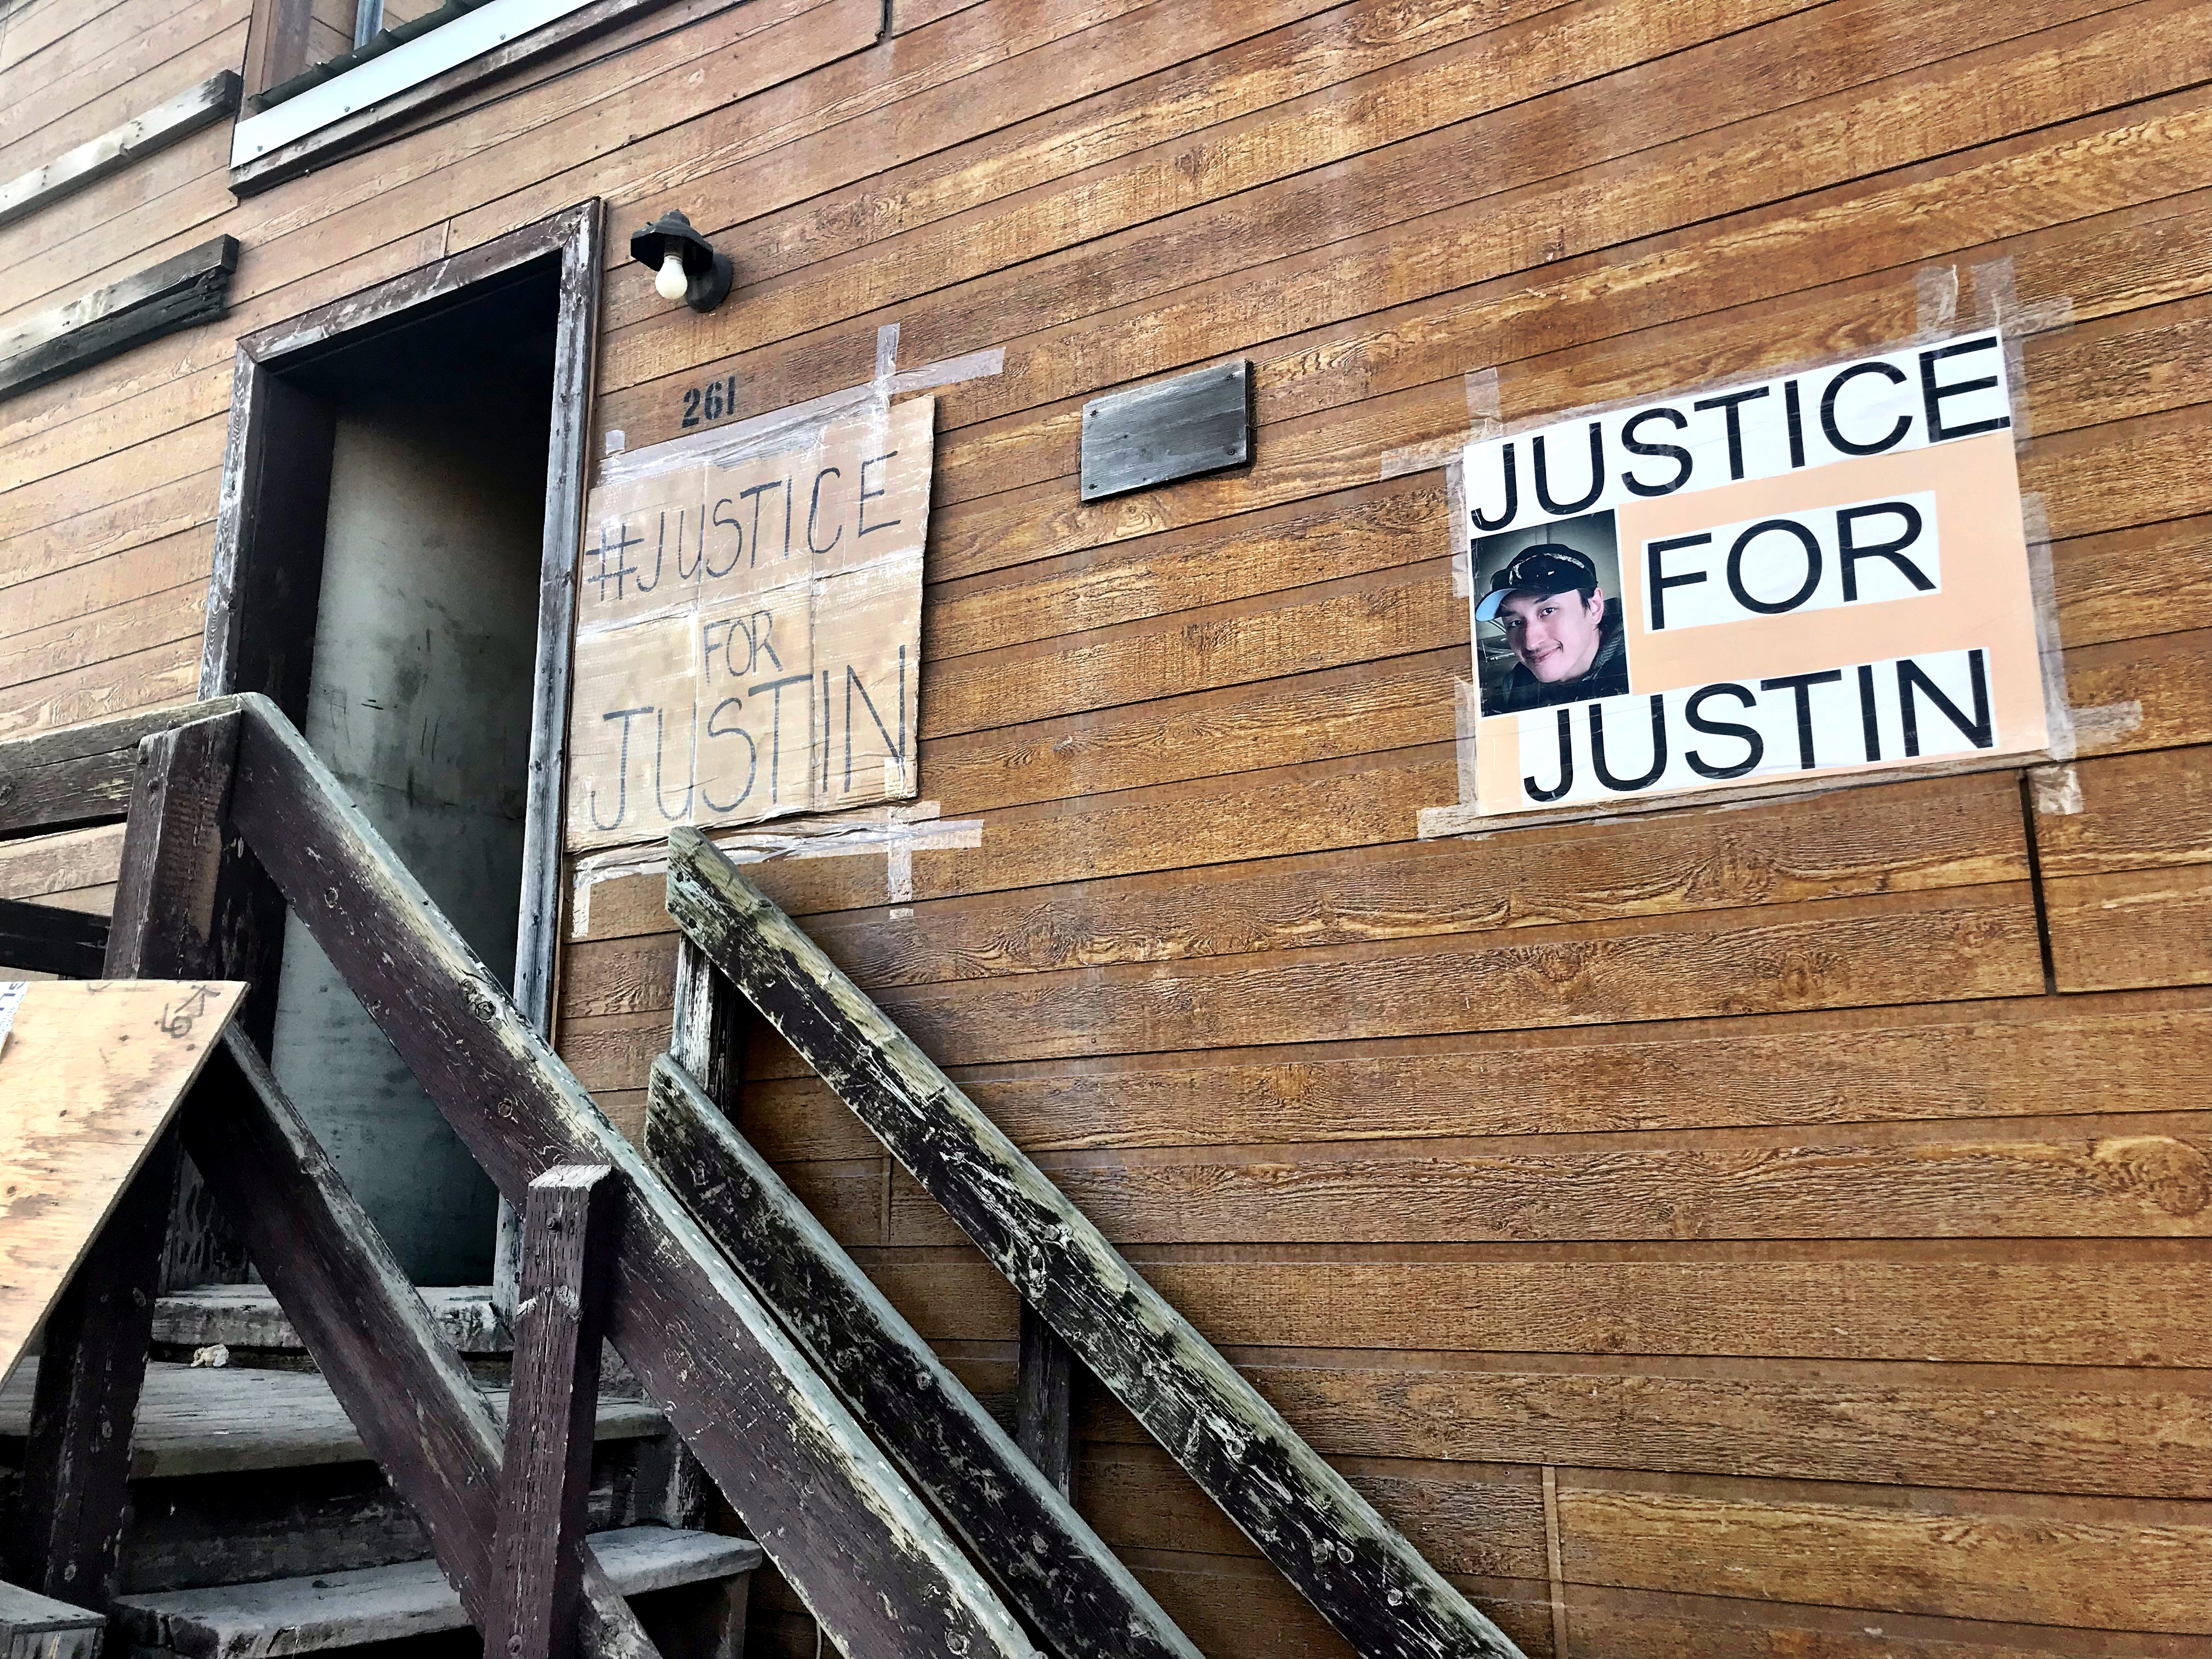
(710, 401)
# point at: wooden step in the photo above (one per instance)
(35, 1626)
(197, 1420)
(247, 1316)
(346, 1609)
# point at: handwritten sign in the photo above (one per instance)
(749, 633)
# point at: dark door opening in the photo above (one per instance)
(403, 514)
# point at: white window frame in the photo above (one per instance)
(404, 67)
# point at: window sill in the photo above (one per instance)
(317, 125)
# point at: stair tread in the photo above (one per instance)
(374, 1604)
(204, 1420)
(26, 1612)
(247, 1316)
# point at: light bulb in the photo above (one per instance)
(671, 283)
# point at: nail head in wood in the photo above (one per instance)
(1154, 434)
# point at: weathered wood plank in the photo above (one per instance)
(83, 774)
(45, 939)
(1020, 1526)
(73, 1504)
(1950, 1301)
(175, 294)
(158, 128)
(1326, 1539)
(242, 1418)
(1044, 1390)
(2131, 928)
(336, 1610)
(33, 1626)
(2087, 1430)
(884, 1578)
(424, 1421)
(1979, 1556)
(568, 1247)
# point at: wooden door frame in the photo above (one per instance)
(276, 495)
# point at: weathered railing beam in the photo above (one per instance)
(1053, 1567)
(418, 1411)
(1382, 1595)
(870, 1562)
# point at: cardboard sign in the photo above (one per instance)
(1820, 574)
(749, 634)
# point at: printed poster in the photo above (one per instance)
(1817, 575)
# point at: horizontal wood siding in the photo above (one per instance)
(1779, 1229)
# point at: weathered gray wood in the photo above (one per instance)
(427, 1426)
(872, 1564)
(194, 1420)
(210, 915)
(45, 939)
(568, 1249)
(1154, 434)
(382, 1604)
(76, 1468)
(1381, 1593)
(247, 1316)
(163, 927)
(189, 289)
(706, 1036)
(1056, 1570)
(576, 233)
(35, 1626)
(81, 774)
(141, 135)
(1044, 1394)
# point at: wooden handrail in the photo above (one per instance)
(1053, 1567)
(1379, 1592)
(877, 1570)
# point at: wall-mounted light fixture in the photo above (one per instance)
(687, 266)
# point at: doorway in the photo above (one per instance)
(393, 569)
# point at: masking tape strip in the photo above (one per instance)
(897, 831)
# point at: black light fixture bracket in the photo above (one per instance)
(707, 273)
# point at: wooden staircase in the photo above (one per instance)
(904, 1517)
(257, 1523)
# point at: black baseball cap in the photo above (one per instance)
(1547, 568)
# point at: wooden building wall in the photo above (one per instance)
(1764, 1232)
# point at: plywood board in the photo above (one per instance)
(90, 1074)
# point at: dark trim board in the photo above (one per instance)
(140, 136)
(45, 939)
(189, 289)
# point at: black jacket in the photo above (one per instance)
(1607, 676)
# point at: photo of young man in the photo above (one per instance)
(1552, 602)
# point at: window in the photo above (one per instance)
(327, 73)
